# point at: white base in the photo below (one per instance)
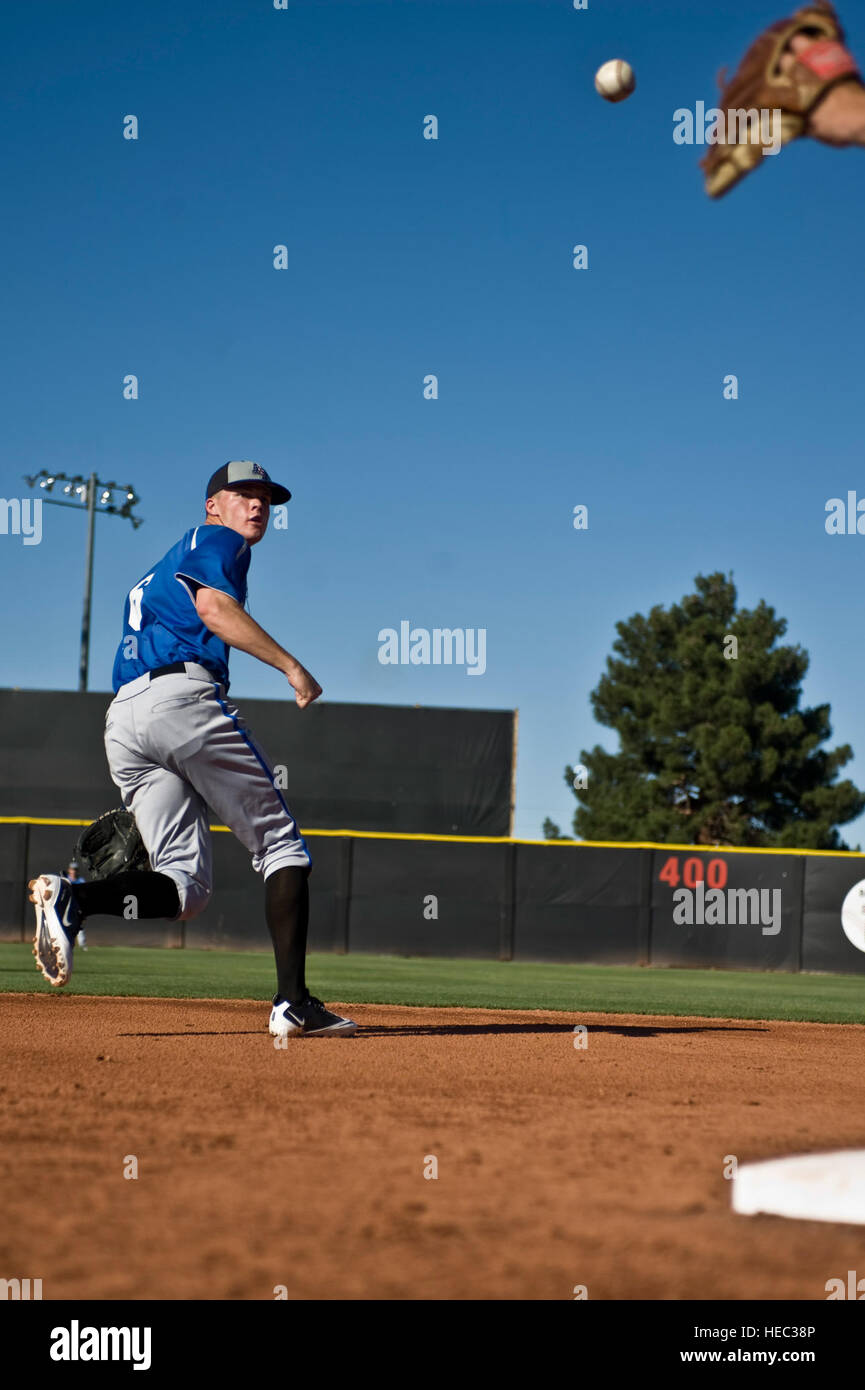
(809, 1187)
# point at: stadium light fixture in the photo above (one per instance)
(85, 489)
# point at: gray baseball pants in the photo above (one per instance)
(176, 745)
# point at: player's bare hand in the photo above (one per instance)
(839, 119)
(306, 688)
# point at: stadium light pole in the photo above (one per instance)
(84, 655)
(85, 490)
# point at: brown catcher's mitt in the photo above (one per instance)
(760, 85)
(111, 845)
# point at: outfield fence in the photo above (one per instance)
(499, 898)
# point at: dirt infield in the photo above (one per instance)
(304, 1167)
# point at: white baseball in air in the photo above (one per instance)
(853, 915)
(615, 80)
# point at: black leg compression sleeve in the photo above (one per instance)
(286, 907)
(155, 896)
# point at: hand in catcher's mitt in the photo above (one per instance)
(761, 83)
(111, 845)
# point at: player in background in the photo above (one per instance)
(74, 876)
(176, 745)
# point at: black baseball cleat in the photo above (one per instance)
(58, 920)
(308, 1019)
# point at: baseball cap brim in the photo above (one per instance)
(278, 493)
(238, 473)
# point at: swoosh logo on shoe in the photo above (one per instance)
(285, 1016)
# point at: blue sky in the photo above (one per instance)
(408, 257)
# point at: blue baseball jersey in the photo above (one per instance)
(160, 621)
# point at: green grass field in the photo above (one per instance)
(362, 979)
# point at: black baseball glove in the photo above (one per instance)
(110, 846)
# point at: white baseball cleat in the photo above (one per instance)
(308, 1019)
(57, 922)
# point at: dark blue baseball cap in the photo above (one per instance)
(240, 471)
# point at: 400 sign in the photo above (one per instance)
(694, 871)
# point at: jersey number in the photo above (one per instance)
(135, 597)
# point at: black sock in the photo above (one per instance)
(286, 907)
(155, 895)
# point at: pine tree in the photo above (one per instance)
(551, 831)
(714, 746)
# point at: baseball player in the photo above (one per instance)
(800, 67)
(176, 745)
(74, 876)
